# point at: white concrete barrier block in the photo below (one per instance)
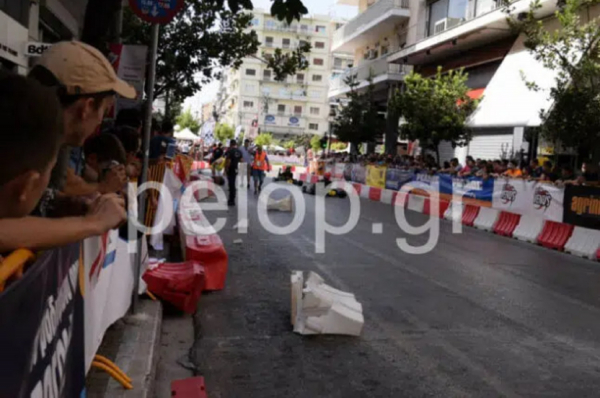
(454, 211)
(364, 191)
(529, 228)
(584, 242)
(387, 195)
(318, 308)
(486, 218)
(416, 203)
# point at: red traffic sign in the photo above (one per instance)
(156, 11)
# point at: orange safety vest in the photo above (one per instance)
(260, 161)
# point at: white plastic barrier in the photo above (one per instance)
(416, 203)
(452, 208)
(387, 196)
(321, 309)
(529, 228)
(584, 242)
(486, 218)
(364, 191)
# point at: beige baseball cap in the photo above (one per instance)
(82, 69)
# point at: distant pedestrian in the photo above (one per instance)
(232, 159)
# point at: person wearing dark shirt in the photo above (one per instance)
(548, 173)
(217, 153)
(160, 143)
(232, 159)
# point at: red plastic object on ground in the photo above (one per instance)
(192, 387)
(555, 235)
(469, 215)
(506, 224)
(209, 251)
(443, 206)
(375, 194)
(181, 284)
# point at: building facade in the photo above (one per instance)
(28, 26)
(251, 97)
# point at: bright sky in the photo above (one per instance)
(322, 7)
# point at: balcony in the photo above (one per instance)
(380, 70)
(370, 25)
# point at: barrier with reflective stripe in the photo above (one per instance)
(584, 242)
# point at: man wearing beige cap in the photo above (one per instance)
(86, 86)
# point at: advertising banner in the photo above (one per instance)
(359, 173)
(129, 61)
(529, 198)
(41, 329)
(395, 178)
(582, 206)
(294, 121)
(269, 119)
(338, 170)
(473, 190)
(376, 176)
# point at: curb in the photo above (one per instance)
(132, 343)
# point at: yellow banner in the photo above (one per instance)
(376, 176)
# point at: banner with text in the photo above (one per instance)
(376, 176)
(529, 198)
(41, 329)
(582, 206)
(395, 178)
(359, 173)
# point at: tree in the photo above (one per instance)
(339, 146)
(315, 143)
(358, 120)
(573, 52)
(224, 132)
(187, 120)
(289, 144)
(264, 139)
(436, 109)
(204, 38)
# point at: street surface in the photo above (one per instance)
(481, 315)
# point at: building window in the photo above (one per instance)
(250, 72)
(319, 44)
(255, 22)
(318, 61)
(267, 75)
(300, 78)
(315, 93)
(314, 110)
(338, 63)
(444, 14)
(249, 88)
(17, 10)
(320, 29)
(269, 41)
(281, 109)
(297, 110)
(303, 43)
(248, 104)
(285, 43)
(313, 126)
(385, 50)
(270, 24)
(317, 78)
(303, 28)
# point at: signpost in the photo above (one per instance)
(155, 12)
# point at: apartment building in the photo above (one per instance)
(474, 35)
(250, 96)
(380, 29)
(28, 26)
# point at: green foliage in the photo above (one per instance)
(289, 144)
(436, 109)
(303, 140)
(339, 146)
(315, 142)
(573, 52)
(187, 120)
(224, 132)
(264, 139)
(358, 120)
(285, 64)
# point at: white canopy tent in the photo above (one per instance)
(186, 134)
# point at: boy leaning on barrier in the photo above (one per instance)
(31, 134)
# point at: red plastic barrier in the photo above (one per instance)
(181, 284)
(192, 387)
(555, 235)
(375, 194)
(209, 251)
(357, 188)
(469, 215)
(506, 224)
(443, 206)
(598, 254)
(400, 199)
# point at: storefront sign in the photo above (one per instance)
(269, 119)
(294, 121)
(582, 206)
(35, 49)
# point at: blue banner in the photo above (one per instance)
(395, 178)
(472, 187)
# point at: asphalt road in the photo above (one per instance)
(480, 315)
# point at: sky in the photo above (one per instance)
(322, 7)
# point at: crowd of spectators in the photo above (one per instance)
(63, 172)
(499, 168)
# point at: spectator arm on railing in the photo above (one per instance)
(37, 233)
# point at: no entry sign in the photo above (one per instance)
(156, 11)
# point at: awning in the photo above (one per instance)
(507, 101)
(474, 94)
